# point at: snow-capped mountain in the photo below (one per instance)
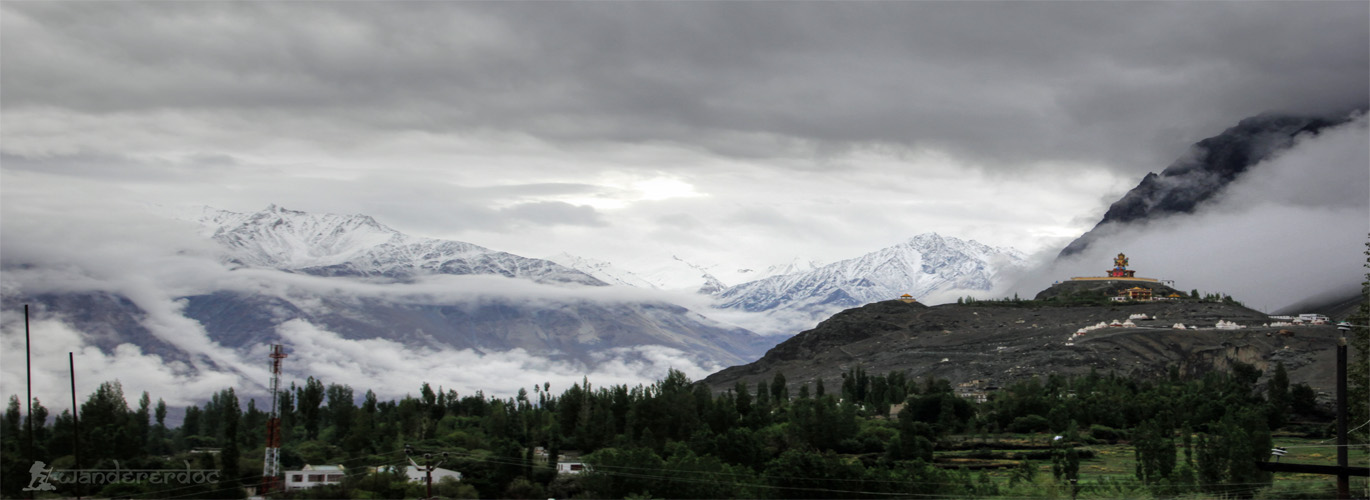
(680, 274)
(923, 265)
(602, 270)
(795, 265)
(671, 274)
(357, 245)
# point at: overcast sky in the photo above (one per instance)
(735, 133)
(747, 132)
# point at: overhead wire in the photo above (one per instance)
(241, 479)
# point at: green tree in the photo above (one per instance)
(617, 473)
(310, 397)
(158, 435)
(105, 425)
(763, 397)
(1277, 393)
(9, 436)
(1154, 448)
(914, 441)
(252, 425)
(140, 425)
(229, 454)
(341, 409)
(13, 452)
(688, 475)
(1304, 400)
(779, 392)
(807, 474)
(1227, 455)
(522, 488)
(362, 436)
(431, 405)
(742, 399)
(190, 422)
(741, 446)
(1065, 460)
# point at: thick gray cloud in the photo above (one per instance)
(794, 128)
(1124, 84)
(1292, 227)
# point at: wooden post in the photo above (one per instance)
(1342, 470)
(430, 480)
(28, 363)
(75, 419)
(1343, 460)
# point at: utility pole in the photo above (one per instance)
(28, 364)
(75, 419)
(1343, 480)
(427, 466)
(1342, 470)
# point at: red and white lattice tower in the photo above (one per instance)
(271, 468)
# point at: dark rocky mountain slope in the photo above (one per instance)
(995, 343)
(1210, 166)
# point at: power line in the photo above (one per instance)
(160, 493)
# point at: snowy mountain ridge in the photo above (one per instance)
(357, 245)
(924, 264)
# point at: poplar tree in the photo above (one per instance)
(229, 454)
(779, 393)
(310, 397)
(1277, 392)
(340, 409)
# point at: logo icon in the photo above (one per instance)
(40, 476)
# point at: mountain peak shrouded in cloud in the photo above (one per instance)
(795, 265)
(1208, 167)
(1272, 212)
(602, 270)
(354, 301)
(357, 245)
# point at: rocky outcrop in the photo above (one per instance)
(1102, 288)
(999, 343)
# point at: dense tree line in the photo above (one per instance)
(677, 439)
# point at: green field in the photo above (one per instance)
(1110, 470)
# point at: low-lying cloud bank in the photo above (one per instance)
(389, 368)
(1291, 227)
(125, 251)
